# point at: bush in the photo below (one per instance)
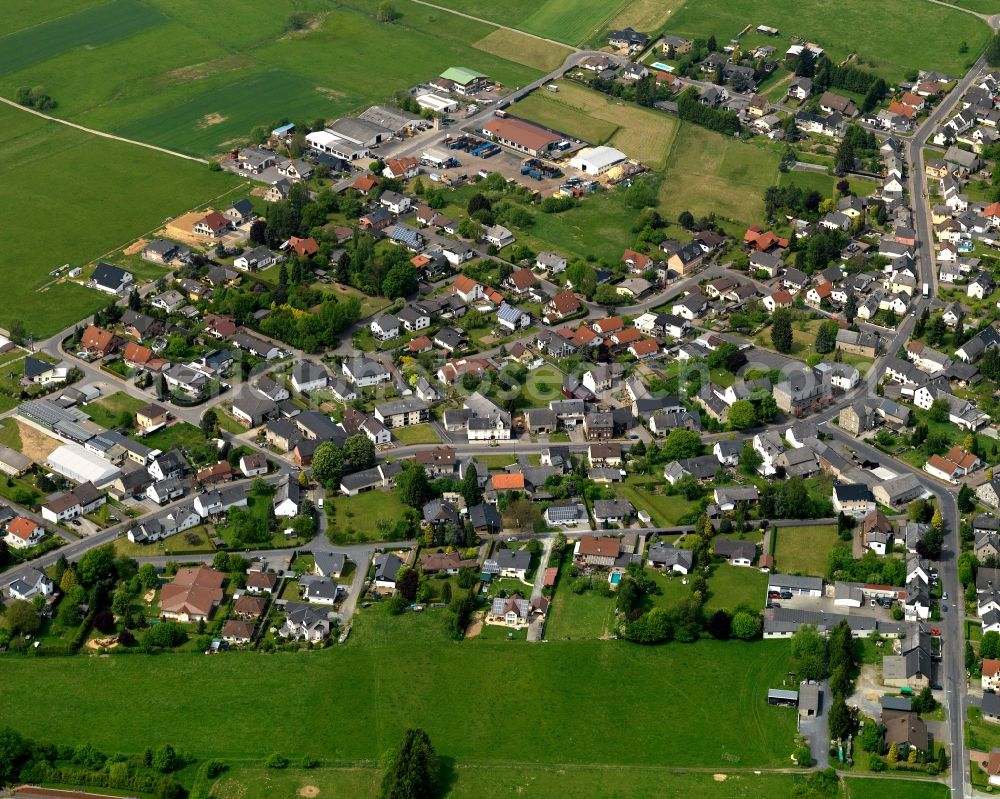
(166, 634)
(274, 760)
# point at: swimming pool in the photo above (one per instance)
(662, 67)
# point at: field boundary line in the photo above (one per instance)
(102, 134)
(495, 24)
(987, 18)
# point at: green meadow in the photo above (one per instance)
(662, 706)
(892, 37)
(71, 198)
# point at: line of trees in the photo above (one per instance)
(689, 108)
(23, 760)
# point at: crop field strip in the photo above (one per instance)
(141, 80)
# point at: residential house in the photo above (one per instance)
(192, 595)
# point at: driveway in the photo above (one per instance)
(536, 590)
(818, 731)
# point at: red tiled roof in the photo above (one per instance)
(903, 110)
(22, 528)
(609, 325)
(959, 456)
(627, 336)
(602, 546)
(521, 132)
(645, 347)
(508, 482)
(96, 338)
(304, 247)
(522, 278)
(464, 284)
(564, 303)
(640, 260)
(942, 464)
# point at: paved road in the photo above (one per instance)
(77, 547)
(952, 670)
(919, 193)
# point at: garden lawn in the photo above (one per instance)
(576, 616)
(673, 588)
(496, 461)
(980, 734)
(182, 435)
(357, 518)
(79, 197)
(804, 549)
(469, 781)
(893, 37)
(174, 545)
(416, 434)
(808, 181)
(730, 586)
(10, 434)
(664, 509)
(730, 175)
(111, 410)
(581, 112)
(870, 788)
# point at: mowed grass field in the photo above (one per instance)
(872, 788)
(359, 697)
(892, 37)
(642, 134)
(731, 586)
(576, 616)
(708, 172)
(197, 79)
(523, 49)
(538, 782)
(570, 21)
(71, 197)
(89, 28)
(645, 15)
(804, 550)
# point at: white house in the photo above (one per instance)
(23, 533)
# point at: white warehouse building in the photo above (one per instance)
(597, 160)
(80, 465)
(437, 103)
